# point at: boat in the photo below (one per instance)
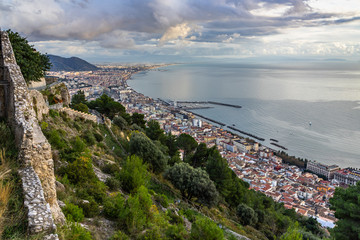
(309, 123)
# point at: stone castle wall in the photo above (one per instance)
(74, 114)
(34, 150)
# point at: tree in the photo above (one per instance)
(32, 63)
(138, 119)
(187, 143)
(81, 107)
(120, 122)
(134, 174)
(153, 130)
(292, 233)
(193, 183)
(246, 214)
(346, 203)
(200, 156)
(219, 172)
(204, 228)
(106, 105)
(79, 97)
(148, 151)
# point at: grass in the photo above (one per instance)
(5, 188)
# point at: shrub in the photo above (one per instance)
(113, 207)
(150, 153)
(53, 113)
(44, 125)
(113, 183)
(75, 231)
(161, 199)
(204, 228)
(120, 122)
(81, 107)
(73, 213)
(81, 171)
(89, 138)
(77, 126)
(176, 232)
(95, 189)
(90, 208)
(133, 174)
(56, 140)
(246, 214)
(119, 235)
(110, 169)
(98, 137)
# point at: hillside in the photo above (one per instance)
(70, 64)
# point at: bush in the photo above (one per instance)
(113, 183)
(133, 174)
(119, 235)
(75, 231)
(176, 232)
(90, 208)
(95, 189)
(246, 214)
(110, 169)
(53, 113)
(148, 151)
(114, 207)
(44, 125)
(81, 107)
(81, 171)
(98, 137)
(162, 200)
(73, 213)
(78, 145)
(89, 138)
(204, 228)
(120, 122)
(56, 140)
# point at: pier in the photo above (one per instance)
(248, 134)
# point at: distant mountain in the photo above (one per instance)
(70, 64)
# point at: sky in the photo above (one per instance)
(181, 30)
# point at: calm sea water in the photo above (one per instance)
(277, 102)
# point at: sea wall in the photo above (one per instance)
(37, 172)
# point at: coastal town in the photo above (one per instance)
(306, 190)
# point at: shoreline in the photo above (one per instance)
(257, 139)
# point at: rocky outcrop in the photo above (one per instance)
(34, 149)
(39, 104)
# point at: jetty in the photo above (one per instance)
(209, 119)
(279, 146)
(274, 140)
(246, 133)
(209, 102)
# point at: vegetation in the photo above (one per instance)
(32, 63)
(346, 203)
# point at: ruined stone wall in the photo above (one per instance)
(73, 114)
(34, 150)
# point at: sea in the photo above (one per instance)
(311, 108)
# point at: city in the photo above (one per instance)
(300, 189)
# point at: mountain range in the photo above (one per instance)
(70, 64)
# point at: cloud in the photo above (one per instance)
(179, 31)
(160, 25)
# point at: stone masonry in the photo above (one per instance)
(34, 150)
